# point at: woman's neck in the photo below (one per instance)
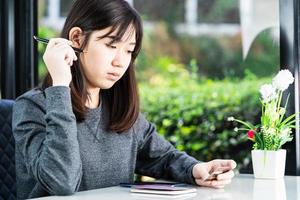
(93, 100)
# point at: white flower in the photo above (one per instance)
(271, 112)
(281, 111)
(236, 129)
(269, 130)
(268, 92)
(283, 79)
(230, 119)
(285, 132)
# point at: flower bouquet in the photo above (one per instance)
(268, 158)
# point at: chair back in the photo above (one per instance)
(7, 152)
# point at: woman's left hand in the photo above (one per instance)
(202, 172)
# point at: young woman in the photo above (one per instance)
(83, 129)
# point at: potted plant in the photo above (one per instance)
(275, 129)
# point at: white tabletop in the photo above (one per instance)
(243, 187)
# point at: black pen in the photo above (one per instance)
(46, 42)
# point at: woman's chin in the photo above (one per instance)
(107, 85)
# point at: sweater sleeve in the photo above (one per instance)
(45, 132)
(158, 158)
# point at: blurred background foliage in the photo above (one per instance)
(217, 57)
(216, 11)
(192, 112)
(190, 85)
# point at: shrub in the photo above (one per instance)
(193, 115)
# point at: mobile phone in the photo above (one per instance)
(213, 175)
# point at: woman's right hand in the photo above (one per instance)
(59, 57)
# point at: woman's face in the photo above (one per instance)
(104, 63)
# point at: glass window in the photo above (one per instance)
(200, 66)
(193, 76)
(218, 11)
(157, 10)
(65, 6)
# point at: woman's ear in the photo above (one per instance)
(76, 36)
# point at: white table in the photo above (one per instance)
(243, 187)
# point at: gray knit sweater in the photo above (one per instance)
(55, 155)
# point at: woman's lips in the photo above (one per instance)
(113, 76)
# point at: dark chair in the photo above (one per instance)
(7, 152)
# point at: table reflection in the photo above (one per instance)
(269, 189)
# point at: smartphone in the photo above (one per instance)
(213, 175)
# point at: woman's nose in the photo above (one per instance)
(117, 61)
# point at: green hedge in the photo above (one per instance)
(193, 115)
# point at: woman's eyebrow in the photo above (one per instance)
(106, 36)
(113, 37)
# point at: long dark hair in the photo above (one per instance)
(122, 99)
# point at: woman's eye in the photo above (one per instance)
(111, 46)
(130, 52)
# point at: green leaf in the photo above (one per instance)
(287, 119)
(259, 140)
(247, 124)
(285, 106)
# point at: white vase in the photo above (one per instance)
(268, 164)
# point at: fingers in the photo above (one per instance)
(213, 183)
(70, 55)
(63, 46)
(228, 163)
(67, 52)
(200, 171)
(223, 165)
(226, 175)
(203, 171)
(216, 173)
(233, 164)
(74, 54)
(56, 41)
(58, 57)
(220, 173)
(59, 42)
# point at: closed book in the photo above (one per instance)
(162, 189)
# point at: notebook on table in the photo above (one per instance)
(162, 189)
(145, 196)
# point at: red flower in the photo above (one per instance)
(251, 134)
